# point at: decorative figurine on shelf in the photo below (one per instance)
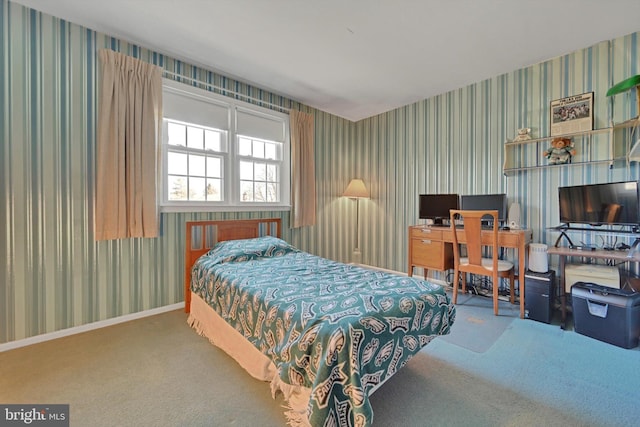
(524, 134)
(560, 152)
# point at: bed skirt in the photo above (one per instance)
(209, 324)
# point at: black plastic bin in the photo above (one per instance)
(539, 291)
(606, 314)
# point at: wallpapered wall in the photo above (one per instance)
(56, 276)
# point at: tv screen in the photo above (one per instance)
(485, 202)
(437, 206)
(600, 204)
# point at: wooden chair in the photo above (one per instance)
(470, 235)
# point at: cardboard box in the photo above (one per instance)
(604, 275)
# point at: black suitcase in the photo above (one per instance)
(606, 314)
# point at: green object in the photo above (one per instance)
(624, 85)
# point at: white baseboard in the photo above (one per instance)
(88, 327)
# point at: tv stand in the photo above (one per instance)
(566, 236)
(633, 248)
(590, 253)
(566, 228)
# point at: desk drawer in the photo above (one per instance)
(508, 239)
(426, 233)
(433, 255)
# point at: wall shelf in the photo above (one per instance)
(595, 146)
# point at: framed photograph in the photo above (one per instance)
(572, 114)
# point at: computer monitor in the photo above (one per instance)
(485, 202)
(436, 206)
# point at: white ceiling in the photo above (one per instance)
(356, 58)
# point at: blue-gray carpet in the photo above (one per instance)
(476, 328)
(583, 376)
(157, 371)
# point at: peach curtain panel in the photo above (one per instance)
(303, 172)
(127, 154)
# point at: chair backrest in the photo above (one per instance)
(472, 228)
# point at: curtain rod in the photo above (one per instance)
(221, 89)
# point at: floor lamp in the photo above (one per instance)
(356, 190)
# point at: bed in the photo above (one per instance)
(325, 334)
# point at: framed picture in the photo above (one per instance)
(572, 114)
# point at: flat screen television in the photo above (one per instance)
(484, 202)
(614, 203)
(436, 206)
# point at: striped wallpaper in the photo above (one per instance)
(53, 275)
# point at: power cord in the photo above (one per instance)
(607, 245)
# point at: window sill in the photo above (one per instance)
(225, 208)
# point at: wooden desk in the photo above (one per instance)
(430, 247)
(565, 253)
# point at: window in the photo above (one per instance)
(221, 154)
(259, 177)
(195, 158)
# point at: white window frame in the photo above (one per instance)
(279, 122)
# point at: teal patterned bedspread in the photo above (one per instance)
(335, 328)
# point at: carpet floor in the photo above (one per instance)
(476, 327)
(593, 381)
(157, 371)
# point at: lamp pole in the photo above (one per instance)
(357, 255)
(357, 190)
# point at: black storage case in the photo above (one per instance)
(606, 314)
(539, 291)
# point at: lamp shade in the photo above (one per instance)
(624, 85)
(356, 189)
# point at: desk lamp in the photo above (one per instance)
(623, 86)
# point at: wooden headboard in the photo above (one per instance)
(203, 235)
